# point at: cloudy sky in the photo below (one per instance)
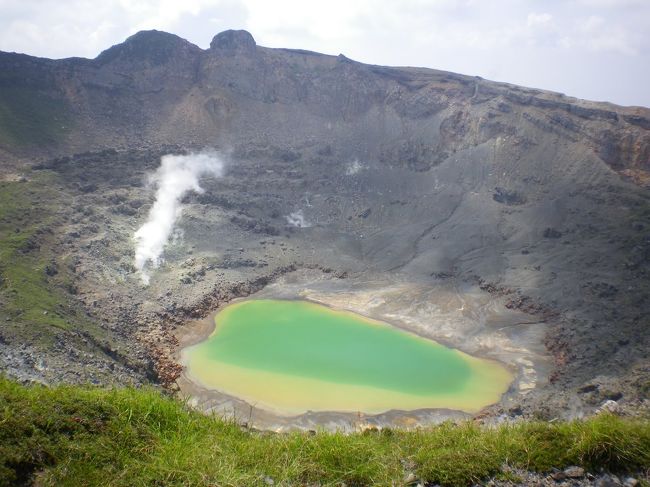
(593, 49)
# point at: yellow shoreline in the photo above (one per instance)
(291, 395)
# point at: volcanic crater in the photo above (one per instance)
(506, 222)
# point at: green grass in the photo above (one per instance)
(33, 304)
(81, 436)
(38, 306)
(27, 211)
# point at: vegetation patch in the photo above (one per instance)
(35, 282)
(87, 436)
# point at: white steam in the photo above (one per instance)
(176, 175)
(354, 167)
(297, 219)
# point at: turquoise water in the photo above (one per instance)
(261, 347)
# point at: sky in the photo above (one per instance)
(592, 49)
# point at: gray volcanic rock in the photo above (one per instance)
(536, 201)
(233, 40)
(151, 47)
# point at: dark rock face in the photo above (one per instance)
(152, 47)
(552, 233)
(506, 197)
(233, 40)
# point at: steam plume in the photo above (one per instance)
(353, 168)
(176, 175)
(297, 219)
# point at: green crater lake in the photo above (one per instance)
(297, 356)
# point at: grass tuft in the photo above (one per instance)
(71, 435)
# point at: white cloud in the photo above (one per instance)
(591, 24)
(595, 34)
(614, 3)
(535, 19)
(161, 14)
(55, 28)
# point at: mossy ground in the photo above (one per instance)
(81, 436)
(26, 212)
(36, 284)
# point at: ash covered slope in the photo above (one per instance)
(423, 174)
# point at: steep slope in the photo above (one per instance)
(530, 207)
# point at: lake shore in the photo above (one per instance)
(523, 362)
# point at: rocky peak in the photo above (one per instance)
(233, 40)
(147, 45)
